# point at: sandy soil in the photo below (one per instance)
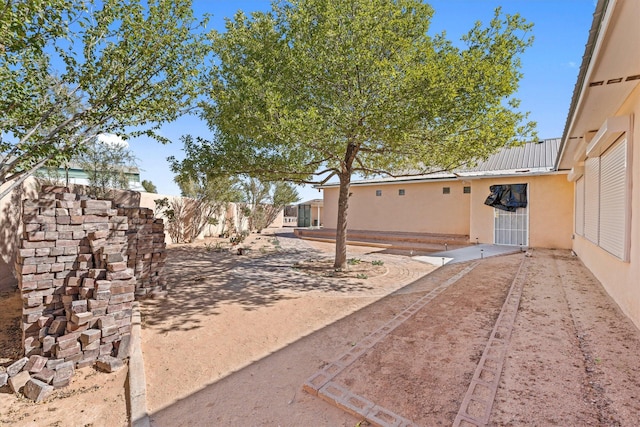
(237, 337)
(429, 360)
(240, 309)
(93, 398)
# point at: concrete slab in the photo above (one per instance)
(468, 253)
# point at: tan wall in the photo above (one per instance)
(315, 216)
(621, 279)
(423, 208)
(550, 210)
(10, 226)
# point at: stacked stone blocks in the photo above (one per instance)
(146, 250)
(78, 286)
(74, 278)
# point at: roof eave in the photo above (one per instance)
(594, 32)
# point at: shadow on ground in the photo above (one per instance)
(200, 280)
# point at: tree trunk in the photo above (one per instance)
(341, 227)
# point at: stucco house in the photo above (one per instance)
(310, 213)
(600, 149)
(454, 203)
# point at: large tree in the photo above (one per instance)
(321, 89)
(71, 69)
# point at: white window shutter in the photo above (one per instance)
(613, 199)
(591, 198)
(579, 208)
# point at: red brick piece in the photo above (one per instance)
(35, 364)
(37, 390)
(109, 363)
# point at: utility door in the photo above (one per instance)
(304, 215)
(511, 228)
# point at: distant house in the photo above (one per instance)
(454, 202)
(310, 213)
(74, 174)
(601, 150)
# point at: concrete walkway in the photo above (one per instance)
(468, 253)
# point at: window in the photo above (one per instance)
(401, 192)
(466, 190)
(446, 190)
(602, 197)
(378, 193)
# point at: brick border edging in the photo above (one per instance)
(477, 403)
(136, 378)
(320, 384)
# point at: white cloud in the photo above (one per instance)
(112, 139)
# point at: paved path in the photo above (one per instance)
(469, 253)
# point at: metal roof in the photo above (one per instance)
(531, 155)
(529, 158)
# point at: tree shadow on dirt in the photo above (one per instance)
(10, 332)
(10, 302)
(200, 281)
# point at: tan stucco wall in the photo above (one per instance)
(10, 226)
(621, 279)
(423, 208)
(550, 210)
(317, 215)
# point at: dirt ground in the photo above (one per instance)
(237, 337)
(93, 398)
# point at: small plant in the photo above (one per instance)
(239, 237)
(211, 247)
(353, 261)
(377, 262)
(362, 276)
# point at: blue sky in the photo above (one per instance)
(550, 67)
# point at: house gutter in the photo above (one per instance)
(458, 177)
(598, 24)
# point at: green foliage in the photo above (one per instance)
(210, 193)
(211, 247)
(108, 166)
(172, 211)
(316, 89)
(149, 187)
(353, 261)
(377, 262)
(119, 65)
(239, 237)
(51, 175)
(263, 201)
